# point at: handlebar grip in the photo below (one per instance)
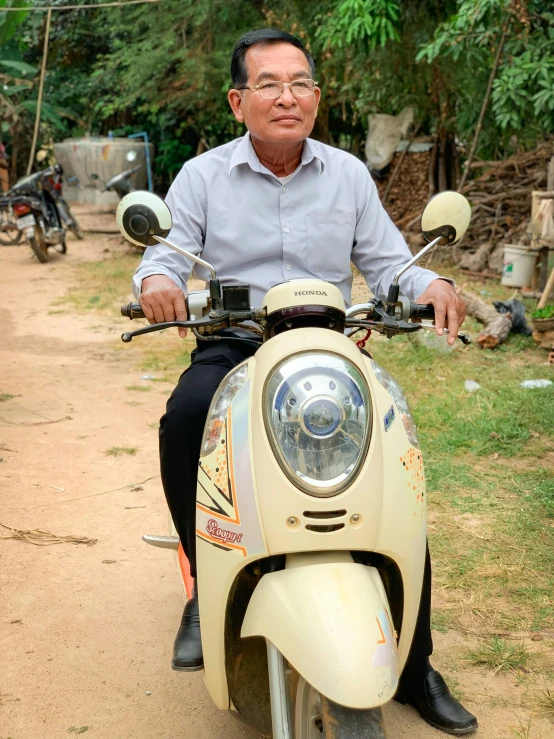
(418, 310)
(132, 310)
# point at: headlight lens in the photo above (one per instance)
(218, 408)
(317, 413)
(401, 402)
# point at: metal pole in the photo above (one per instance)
(280, 719)
(40, 90)
(144, 135)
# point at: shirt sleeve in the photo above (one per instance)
(188, 204)
(379, 247)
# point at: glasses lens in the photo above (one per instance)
(300, 88)
(303, 88)
(270, 89)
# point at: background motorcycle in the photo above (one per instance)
(54, 182)
(10, 235)
(34, 202)
(311, 501)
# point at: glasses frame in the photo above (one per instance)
(258, 87)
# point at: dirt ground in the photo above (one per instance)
(87, 630)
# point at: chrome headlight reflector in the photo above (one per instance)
(317, 412)
(400, 400)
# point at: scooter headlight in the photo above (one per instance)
(390, 384)
(317, 413)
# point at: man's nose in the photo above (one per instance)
(286, 98)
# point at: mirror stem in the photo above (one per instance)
(187, 255)
(415, 259)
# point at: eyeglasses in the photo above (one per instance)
(273, 89)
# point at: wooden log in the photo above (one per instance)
(478, 261)
(497, 325)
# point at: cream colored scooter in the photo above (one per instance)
(311, 502)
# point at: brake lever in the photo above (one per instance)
(464, 338)
(130, 335)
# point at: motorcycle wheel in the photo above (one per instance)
(317, 717)
(36, 242)
(10, 237)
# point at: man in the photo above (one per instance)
(273, 206)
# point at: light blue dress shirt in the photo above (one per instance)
(235, 213)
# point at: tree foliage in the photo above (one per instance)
(164, 68)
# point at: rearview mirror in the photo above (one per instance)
(141, 216)
(446, 215)
(131, 155)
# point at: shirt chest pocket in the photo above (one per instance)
(330, 237)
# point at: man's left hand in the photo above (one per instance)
(450, 309)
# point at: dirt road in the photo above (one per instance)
(87, 630)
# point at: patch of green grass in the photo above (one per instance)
(5, 396)
(154, 425)
(102, 286)
(440, 621)
(119, 451)
(545, 702)
(500, 655)
(133, 403)
(139, 388)
(78, 729)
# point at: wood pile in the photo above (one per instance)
(501, 198)
(410, 189)
(501, 206)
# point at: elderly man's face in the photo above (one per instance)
(286, 119)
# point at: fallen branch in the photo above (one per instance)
(497, 325)
(43, 537)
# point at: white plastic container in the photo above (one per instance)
(519, 263)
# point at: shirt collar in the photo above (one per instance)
(245, 154)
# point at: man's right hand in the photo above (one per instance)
(161, 300)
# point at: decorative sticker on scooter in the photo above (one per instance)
(412, 461)
(385, 655)
(389, 418)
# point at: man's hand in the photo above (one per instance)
(450, 309)
(161, 300)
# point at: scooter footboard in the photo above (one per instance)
(331, 621)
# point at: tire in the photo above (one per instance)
(10, 235)
(317, 717)
(36, 242)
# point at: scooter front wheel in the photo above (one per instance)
(317, 717)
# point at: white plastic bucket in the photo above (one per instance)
(518, 265)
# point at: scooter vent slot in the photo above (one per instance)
(325, 514)
(324, 529)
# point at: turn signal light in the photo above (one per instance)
(20, 209)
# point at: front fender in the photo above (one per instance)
(332, 622)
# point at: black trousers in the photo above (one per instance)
(181, 429)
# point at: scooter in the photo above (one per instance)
(311, 500)
(37, 214)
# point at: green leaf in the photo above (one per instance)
(20, 67)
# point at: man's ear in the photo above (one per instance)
(235, 101)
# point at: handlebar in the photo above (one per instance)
(132, 311)
(417, 310)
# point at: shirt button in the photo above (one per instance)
(283, 189)
(286, 230)
(288, 266)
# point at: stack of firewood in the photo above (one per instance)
(409, 190)
(500, 198)
(501, 206)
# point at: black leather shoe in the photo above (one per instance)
(187, 650)
(432, 698)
